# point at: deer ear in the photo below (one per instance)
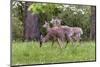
(45, 21)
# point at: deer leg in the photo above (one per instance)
(52, 42)
(66, 43)
(67, 39)
(63, 43)
(78, 38)
(70, 39)
(40, 43)
(59, 43)
(69, 36)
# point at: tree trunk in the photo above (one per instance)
(31, 24)
(25, 7)
(93, 23)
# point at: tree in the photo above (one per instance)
(17, 18)
(31, 24)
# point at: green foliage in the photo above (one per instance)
(17, 20)
(31, 53)
(17, 29)
(49, 9)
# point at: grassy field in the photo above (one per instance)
(31, 53)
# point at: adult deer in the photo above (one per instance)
(55, 34)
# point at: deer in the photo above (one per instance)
(73, 33)
(55, 34)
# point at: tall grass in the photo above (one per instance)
(31, 53)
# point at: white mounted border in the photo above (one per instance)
(82, 2)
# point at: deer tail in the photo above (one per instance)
(81, 31)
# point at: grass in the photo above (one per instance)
(31, 53)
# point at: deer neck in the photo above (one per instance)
(48, 28)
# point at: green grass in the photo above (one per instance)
(31, 53)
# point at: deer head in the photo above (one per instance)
(46, 25)
(56, 21)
